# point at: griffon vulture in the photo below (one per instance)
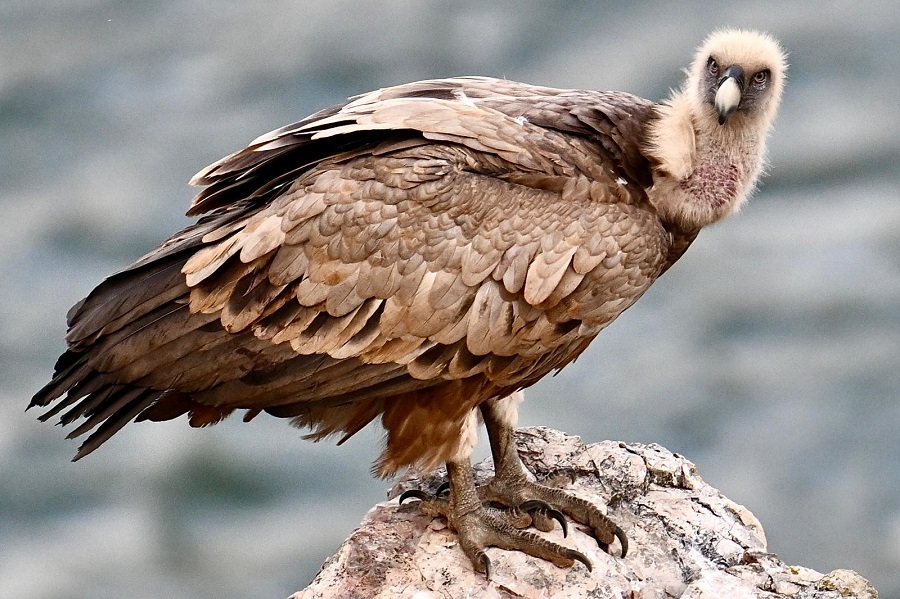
(418, 255)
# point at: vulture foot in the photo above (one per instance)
(511, 489)
(511, 485)
(532, 512)
(480, 525)
(487, 526)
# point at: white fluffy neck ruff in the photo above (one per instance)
(704, 171)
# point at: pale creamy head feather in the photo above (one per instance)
(688, 144)
(753, 50)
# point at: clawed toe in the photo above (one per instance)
(490, 527)
(545, 504)
(413, 494)
(623, 541)
(599, 526)
(422, 495)
(536, 506)
(485, 562)
(577, 555)
(617, 532)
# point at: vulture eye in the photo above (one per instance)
(713, 67)
(761, 78)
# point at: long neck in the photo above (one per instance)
(703, 171)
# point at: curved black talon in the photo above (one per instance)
(623, 540)
(413, 494)
(485, 563)
(548, 510)
(445, 486)
(577, 555)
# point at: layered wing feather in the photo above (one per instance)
(451, 230)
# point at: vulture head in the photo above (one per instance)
(737, 78)
(708, 142)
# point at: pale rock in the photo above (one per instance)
(686, 539)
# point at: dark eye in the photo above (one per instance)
(761, 78)
(713, 67)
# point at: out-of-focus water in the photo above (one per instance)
(770, 355)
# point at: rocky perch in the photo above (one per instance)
(686, 539)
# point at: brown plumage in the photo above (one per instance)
(412, 254)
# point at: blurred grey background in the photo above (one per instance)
(770, 355)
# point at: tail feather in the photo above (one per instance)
(101, 406)
(124, 413)
(70, 368)
(88, 385)
(123, 298)
(89, 406)
(150, 282)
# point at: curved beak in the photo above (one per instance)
(728, 92)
